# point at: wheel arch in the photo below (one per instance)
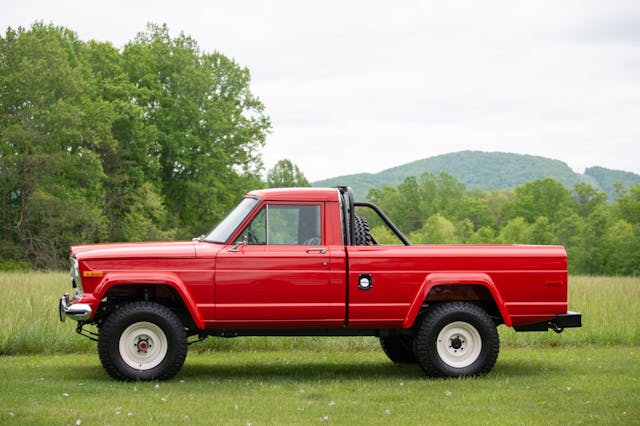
(447, 287)
(155, 285)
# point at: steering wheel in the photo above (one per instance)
(251, 238)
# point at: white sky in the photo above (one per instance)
(361, 86)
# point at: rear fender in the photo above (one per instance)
(112, 279)
(457, 278)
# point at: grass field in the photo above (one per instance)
(553, 386)
(50, 375)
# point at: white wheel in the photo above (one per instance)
(456, 339)
(142, 340)
(459, 344)
(143, 345)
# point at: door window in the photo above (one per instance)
(280, 224)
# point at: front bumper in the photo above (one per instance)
(76, 311)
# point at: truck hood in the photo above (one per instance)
(156, 250)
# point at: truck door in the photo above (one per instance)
(277, 271)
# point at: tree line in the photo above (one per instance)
(600, 237)
(158, 140)
(97, 144)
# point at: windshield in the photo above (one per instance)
(225, 229)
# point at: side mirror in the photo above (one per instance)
(239, 246)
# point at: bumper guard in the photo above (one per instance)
(76, 311)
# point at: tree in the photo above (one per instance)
(383, 235)
(622, 249)
(414, 200)
(541, 232)
(543, 197)
(624, 235)
(436, 230)
(133, 205)
(96, 144)
(390, 201)
(627, 206)
(595, 236)
(587, 198)
(209, 126)
(51, 178)
(285, 174)
(484, 235)
(516, 231)
(463, 231)
(570, 232)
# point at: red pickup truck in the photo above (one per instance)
(293, 262)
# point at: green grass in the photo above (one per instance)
(29, 317)
(531, 386)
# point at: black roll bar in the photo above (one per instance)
(385, 219)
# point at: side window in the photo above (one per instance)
(256, 231)
(278, 224)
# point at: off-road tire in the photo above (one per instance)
(362, 232)
(399, 349)
(142, 341)
(456, 339)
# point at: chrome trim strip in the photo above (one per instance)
(76, 281)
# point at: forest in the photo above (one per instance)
(151, 141)
(601, 237)
(158, 140)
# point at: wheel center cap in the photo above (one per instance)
(456, 343)
(142, 344)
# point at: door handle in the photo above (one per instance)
(317, 250)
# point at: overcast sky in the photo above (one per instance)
(361, 86)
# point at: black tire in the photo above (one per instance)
(142, 341)
(362, 232)
(399, 349)
(456, 339)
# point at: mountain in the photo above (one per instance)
(607, 178)
(486, 170)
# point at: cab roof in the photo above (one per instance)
(296, 194)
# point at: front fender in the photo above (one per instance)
(112, 279)
(455, 278)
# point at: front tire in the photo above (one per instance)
(457, 339)
(142, 341)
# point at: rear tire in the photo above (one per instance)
(456, 339)
(399, 349)
(142, 341)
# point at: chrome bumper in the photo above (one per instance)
(76, 311)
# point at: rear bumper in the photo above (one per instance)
(76, 311)
(557, 324)
(568, 320)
